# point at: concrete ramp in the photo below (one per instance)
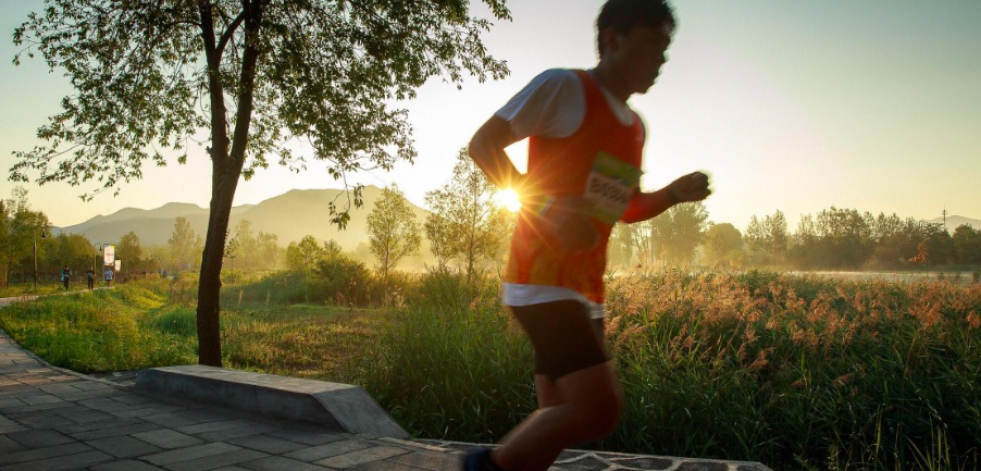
(340, 407)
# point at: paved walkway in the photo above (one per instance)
(53, 419)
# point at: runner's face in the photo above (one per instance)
(640, 54)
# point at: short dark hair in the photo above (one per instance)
(622, 15)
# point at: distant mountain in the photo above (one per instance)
(954, 221)
(169, 211)
(290, 216)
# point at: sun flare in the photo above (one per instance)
(508, 199)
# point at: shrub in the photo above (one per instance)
(175, 320)
(343, 280)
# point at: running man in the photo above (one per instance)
(584, 168)
(66, 276)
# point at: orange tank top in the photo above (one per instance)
(600, 162)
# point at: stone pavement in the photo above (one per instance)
(53, 419)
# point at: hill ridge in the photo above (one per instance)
(290, 216)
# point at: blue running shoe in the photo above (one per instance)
(479, 459)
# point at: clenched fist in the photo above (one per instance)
(691, 187)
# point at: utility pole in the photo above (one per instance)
(44, 235)
(35, 259)
(945, 218)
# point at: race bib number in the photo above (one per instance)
(609, 188)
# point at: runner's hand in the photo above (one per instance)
(691, 187)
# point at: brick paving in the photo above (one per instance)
(55, 419)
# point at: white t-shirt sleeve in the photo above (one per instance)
(553, 104)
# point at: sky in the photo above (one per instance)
(790, 106)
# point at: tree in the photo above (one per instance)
(393, 231)
(723, 244)
(130, 251)
(437, 228)
(621, 246)
(181, 243)
(896, 241)
(939, 244)
(6, 241)
(304, 256)
(73, 250)
(258, 74)
(20, 228)
(678, 231)
(967, 244)
(247, 243)
(268, 251)
(767, 239)
(841, 239)
(232, 250)
(475, 227)
(644, 241)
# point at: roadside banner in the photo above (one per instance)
(109, 254)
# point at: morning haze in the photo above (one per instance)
(819, 311)
(792, 106)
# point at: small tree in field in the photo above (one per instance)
(130, 251)
(466, 222)
(393, 231)
(673, 235)
(259, 75)
(437, 228)
(181, 243)
(723, 244)
(19, 228)
(302, 257)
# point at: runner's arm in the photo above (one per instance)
(689, 188)
(487, 151)
(645, 206)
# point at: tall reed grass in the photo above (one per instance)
(795, 372)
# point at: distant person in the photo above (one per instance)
(108, 274)
(66, 276)
(584, 167)
(90, 276)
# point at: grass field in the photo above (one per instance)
(145, 324)
(797, 372)
(27, 289)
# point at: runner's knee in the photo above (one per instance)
(599, 416)
(549, 394)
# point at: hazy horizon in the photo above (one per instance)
(791, 228)
(873, 106)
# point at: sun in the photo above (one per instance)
(508, 199)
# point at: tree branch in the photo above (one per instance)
(227, 35)
(250, 59)
(219, 133)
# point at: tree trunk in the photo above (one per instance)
(225, 181)
(226, 166)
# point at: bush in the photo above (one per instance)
(335, 280)
(175, 320)
(343, 280)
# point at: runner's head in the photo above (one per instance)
(632, 37)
